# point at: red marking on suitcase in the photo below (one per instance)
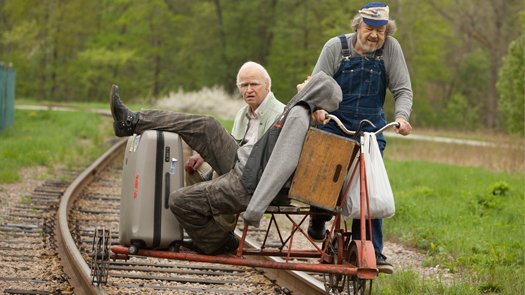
(136, 187)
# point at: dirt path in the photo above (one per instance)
(404, 258)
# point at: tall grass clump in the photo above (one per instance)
(467, 220)
(48, 138)
(410, 282)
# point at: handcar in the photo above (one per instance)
(345, 264)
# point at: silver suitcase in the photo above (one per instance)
(152, 170)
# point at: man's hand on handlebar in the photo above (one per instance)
(319, 117)
(404, 127)
(193, 163)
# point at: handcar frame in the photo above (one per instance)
(343, 261)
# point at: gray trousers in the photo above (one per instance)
(194, 206)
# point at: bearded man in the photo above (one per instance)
(364, 64)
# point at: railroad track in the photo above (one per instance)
(47, 239)
(50, 235)
(29, 263)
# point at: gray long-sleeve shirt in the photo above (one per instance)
(282, 163)
(398, 78)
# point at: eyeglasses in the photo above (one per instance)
(245, 85)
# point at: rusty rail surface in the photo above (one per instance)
(72, 260)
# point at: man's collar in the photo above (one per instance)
(252, 115)
(264, 105)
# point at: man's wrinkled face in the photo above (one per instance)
(253, 86)
(369, 38)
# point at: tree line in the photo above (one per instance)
(464, 74)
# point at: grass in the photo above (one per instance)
(408, 282)
(466, 219)
(507, 156)
(50, 139)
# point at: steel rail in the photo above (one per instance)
(71, 259)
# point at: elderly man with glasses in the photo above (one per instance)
(365, 64)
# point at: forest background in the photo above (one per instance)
(466, 57)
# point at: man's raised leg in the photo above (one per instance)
(203, 134)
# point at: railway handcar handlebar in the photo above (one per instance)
(350, 132)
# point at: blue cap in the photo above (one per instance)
(375, 14)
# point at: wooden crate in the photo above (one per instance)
(323, 165)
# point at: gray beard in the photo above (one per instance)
(366, 49)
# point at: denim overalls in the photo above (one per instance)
(363, 83)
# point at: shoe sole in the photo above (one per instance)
(318, 240)
(114, 95)
(386, 269)
(192, 247)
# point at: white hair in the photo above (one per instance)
(260, 68)
(391, 27)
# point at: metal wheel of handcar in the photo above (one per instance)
(100, 256)
(336, 283)
(359, 286)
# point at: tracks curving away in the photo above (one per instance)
(92, 203)
(46, 246)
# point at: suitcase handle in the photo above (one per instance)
(166, 190)
(171, 171)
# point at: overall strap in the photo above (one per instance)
(344, 45)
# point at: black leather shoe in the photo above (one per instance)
(317, 230)
(124, 120)
(383, 266)
(229, 247)
(188, 244)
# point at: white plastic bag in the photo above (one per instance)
(379, 189)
